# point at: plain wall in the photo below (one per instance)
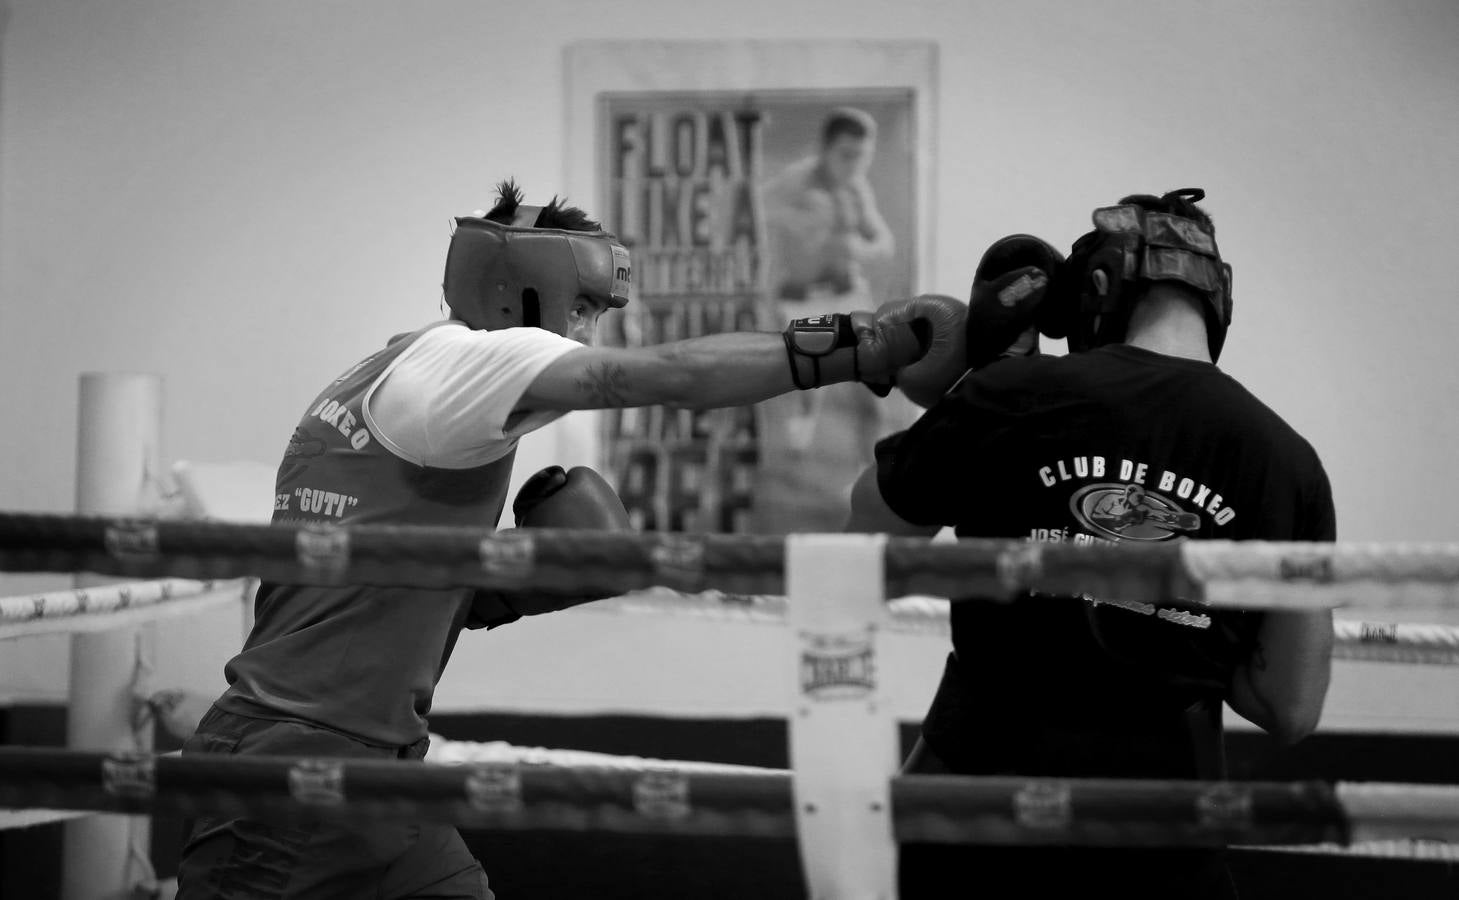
(246, 197)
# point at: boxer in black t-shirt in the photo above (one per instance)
(1134, 436)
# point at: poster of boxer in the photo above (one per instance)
(743, 210)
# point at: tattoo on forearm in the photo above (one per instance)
(605, 384)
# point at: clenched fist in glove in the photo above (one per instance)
(1008, 287)
(577, 498)
(552, 498)
(874, 347)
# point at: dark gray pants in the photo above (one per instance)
(376, 858)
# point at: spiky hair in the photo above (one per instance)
(556, 214)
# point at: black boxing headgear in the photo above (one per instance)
(503, 276)
(1132, 246)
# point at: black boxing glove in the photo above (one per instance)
(1009, 285)
(577, 498)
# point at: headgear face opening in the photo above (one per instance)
(1130, 248)
(504, 276)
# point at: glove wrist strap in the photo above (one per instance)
(813, 339)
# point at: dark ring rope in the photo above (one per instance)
(658, 799)
(562, 562)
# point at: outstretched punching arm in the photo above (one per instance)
(738, 368)
(700, 373)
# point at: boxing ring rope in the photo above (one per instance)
(1395, 642)
(683, 798)
(1194, 574)
(134, 603)
(1328, 574)
(106, 608)
(131, 603)
(837, 606)
(127, 604)
(114, 606)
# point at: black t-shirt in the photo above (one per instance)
(1115, 444)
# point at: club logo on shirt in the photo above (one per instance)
(1130, 512)
(1137, 476)
(336, 414)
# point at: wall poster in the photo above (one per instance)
(746, 205)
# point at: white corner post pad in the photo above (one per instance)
(118, 464)
(844, 745)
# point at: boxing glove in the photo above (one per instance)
(576, 498)
(1009, 286)
(872, 347)
(925, 381)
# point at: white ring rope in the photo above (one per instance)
(113, 606)
(1322, 563)
(1387, 811)
(1295, 575)
(1369, 641)
(122, 605)
(29, 818)
(1413, 849)
(444, 751)
(1396, 642)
